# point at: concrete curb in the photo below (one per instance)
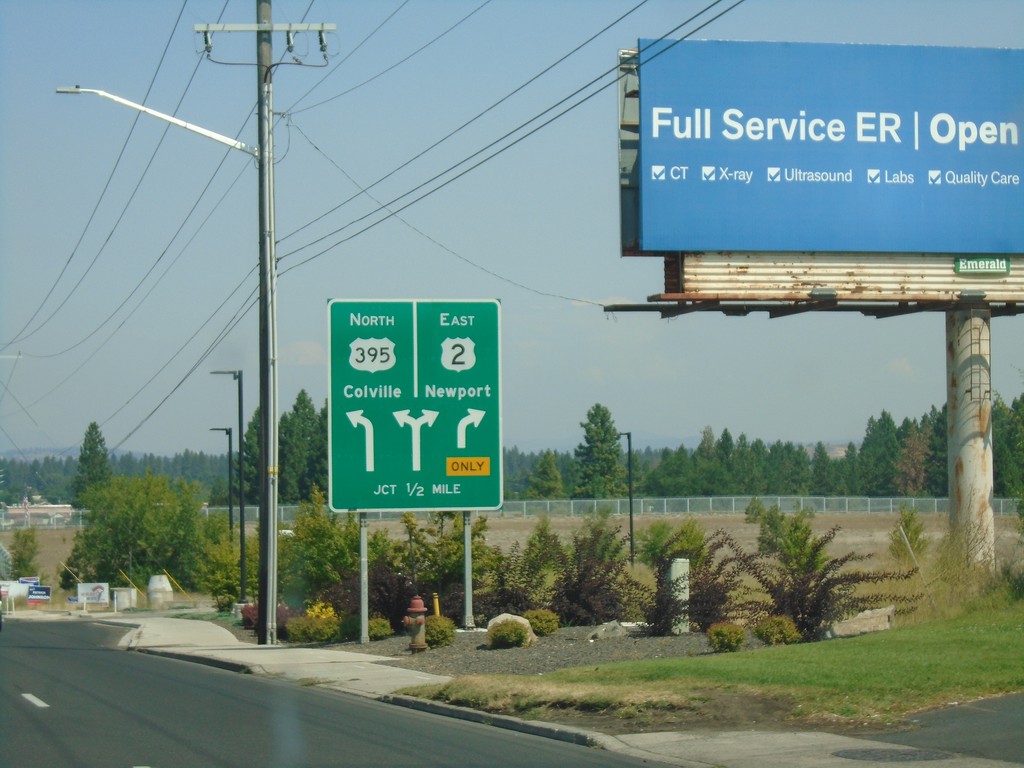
(209, 661)
(548, 730)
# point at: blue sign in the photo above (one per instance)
(815, 147)
(38, 594)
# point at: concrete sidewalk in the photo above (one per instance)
(369, 675)
(208, 643)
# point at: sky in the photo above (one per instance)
(128, 248)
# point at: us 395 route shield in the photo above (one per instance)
(414, 405)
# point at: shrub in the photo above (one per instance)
(777, 630)
(543, 621)
(507, 634)
(592, 575)
(913, 528)
(389, 594)
(659, 542)
(379, 628)
(321, 610)
(313, 629)
(816, 591)
(349, 627)
(512, 587)
(717, 583)
(224, 603)
(726, 637)
(439, 631)
(251, 617)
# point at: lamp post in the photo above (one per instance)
(629, 470)
(264, 153)
(267, 624)
(231, 498)
(237, 376)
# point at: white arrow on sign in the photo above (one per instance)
(475, 417)
(358, 420)
(416, 424)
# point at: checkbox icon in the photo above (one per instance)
(934, 177)
(774, 173)
(658, 172)
(707, 173)
(874, 176)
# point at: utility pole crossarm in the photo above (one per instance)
(268, 27)
(254, 151)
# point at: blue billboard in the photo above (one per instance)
(799, 147)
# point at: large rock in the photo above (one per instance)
(531, 637)
(609, 629)
(875, 620)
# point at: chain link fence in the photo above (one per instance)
(642, 506)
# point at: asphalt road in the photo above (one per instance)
(69, 698)
(989, 729)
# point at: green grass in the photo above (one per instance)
(883, 675)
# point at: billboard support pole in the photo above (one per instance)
(969, 400)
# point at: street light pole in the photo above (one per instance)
(267, 626)
(629, 465)
(264, 153)
(237, 376)
(231, 498)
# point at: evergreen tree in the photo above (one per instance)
(546, 480)
(878, 454)
(789, 469)
(670, 475)
(93, 465)
(251, 459)
(1008, 447)
(724, 456)
(850, 472)
(708, 473)
(599, 457)
(518, 470)
(748, 466)
(822, 474)
(912, 462)
(934, 425)
(299, 449)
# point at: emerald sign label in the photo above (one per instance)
(980, 265)
(414, 405)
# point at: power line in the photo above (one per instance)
(397, 64)
(469, 122)
(437, 242)
(21, 335)
(389, 207)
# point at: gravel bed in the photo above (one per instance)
(568, 647)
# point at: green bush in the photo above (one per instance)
(379, 628)
(913, 528)
(507, 634)
(439, 631)
(313, 629)
(543, 621)
(777, 630)
(349, 627)
(726, 637)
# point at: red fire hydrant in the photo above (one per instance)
(415, 623)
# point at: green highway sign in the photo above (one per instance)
(414, 405)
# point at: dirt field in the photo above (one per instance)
(863, 534)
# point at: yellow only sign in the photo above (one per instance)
(464, 466)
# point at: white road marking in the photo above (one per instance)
(35, 700)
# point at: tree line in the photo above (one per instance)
(905, 459)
